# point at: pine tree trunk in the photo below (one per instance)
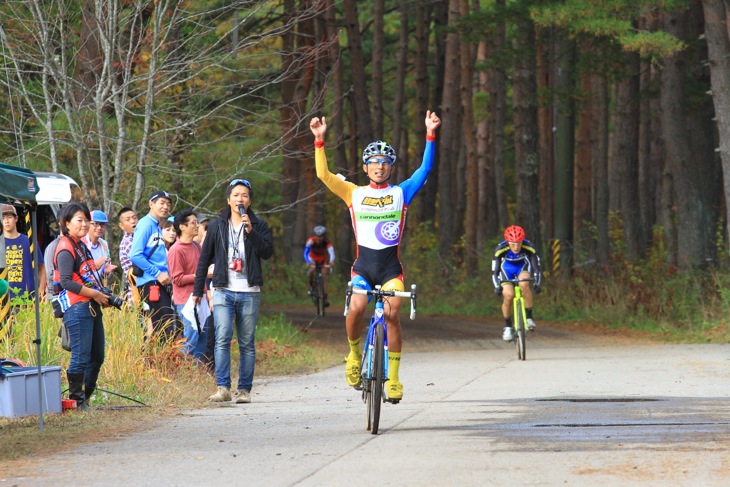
(692, 188)
(377, 74)
(449, 140)
(298, 179)
(599, 164)
(426, 201)
(718, 46)
(361, 97)
(401, 148)
(498, 109)
(470, 148)
(526, 133)
(343, 231)
(627, 157)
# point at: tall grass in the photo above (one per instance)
(156, 373)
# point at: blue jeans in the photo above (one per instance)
(194, 341)
(86, 333)
(243, 308)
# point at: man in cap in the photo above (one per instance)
(99, 247)
(18, 258)
(149, 254)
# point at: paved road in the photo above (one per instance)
(577, 412)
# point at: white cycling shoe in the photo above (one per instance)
(531, 324)
(507, 334)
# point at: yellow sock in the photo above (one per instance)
(393, 365)
(354, 349)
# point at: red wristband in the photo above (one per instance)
(430, 138)
(319, 144)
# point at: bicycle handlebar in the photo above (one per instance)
(380, 293)
(517, 281)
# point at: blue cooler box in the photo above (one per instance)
(19, 391)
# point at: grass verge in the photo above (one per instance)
(161, 377)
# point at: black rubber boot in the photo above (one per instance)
(92, 375)
(88, 391)
(76, 389)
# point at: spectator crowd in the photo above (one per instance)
(191, 288)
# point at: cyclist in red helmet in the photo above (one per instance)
(514, 258)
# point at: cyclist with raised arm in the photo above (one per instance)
(378, 213)
(318, 250)
(515, 258)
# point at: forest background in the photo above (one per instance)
(600, 126)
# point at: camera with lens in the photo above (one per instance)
(236, 265)
(115, 301)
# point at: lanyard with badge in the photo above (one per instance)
(237, 239)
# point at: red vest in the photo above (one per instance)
(83, 272)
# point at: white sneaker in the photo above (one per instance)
(507, 334)
(531, 324)
(223, 394)
(241, 397)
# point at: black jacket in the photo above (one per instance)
(257, 246)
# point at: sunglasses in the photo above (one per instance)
(240, 181)
(380, 160)
(514, 243)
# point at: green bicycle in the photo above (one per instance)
(519, 317)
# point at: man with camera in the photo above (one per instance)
(149, 260)
(236, 242)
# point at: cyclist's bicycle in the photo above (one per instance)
(374, 367)
(519, 317)
(318, 288)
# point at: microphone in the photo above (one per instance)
(242, 211)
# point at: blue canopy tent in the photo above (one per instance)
(19, 187)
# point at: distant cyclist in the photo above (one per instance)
(515, 258)
(318, 250)
(378, 213)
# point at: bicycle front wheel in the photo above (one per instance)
(320, 295)
(520, 328)
(376, 384)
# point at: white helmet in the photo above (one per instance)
(378, 148)
(319, 230)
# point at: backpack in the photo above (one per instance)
(49, 257)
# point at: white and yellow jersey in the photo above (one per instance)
(378, 213)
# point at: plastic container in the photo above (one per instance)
(19, 391)
(68, 404)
